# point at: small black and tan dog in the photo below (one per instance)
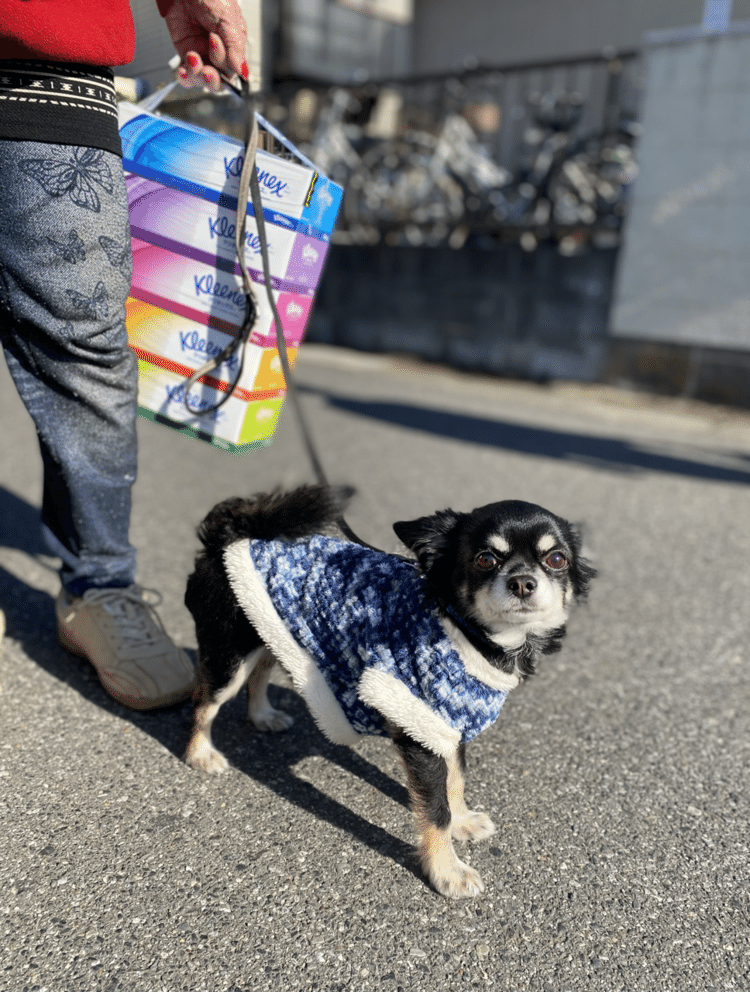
(424, 651)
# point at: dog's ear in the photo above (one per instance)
(428, 537)
(584, 570)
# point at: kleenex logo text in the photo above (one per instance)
(222, 227)
(192, 342)
(274, 185)
(208, 286)
(176, 394)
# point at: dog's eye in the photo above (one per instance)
(556, 560)
(485, 560)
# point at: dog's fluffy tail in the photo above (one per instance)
(306, 510)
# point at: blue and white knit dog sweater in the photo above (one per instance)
(356, 632)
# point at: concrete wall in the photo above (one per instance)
(330, 41)
(499, 32)
(533, 314)
(153, 46)
(685, 267)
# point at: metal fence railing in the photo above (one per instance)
(529, 152)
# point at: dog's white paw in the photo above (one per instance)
(203, 756)
(472, 826)
(269, 719)
(457, 881)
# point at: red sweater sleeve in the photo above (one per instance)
(96, 32)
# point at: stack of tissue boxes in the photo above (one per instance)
(186, 295)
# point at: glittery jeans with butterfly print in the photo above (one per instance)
(65, 268)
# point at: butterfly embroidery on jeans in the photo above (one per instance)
(73, 250)
(118, 255)
(76, 177)
(91, 306)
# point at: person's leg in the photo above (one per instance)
(63, 329)
(65, 267)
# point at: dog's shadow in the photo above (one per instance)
(271, 759)
(268, 758)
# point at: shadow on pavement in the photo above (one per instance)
(269, 759)
(20, 526)
(601, 452)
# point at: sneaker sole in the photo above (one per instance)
(133, 704)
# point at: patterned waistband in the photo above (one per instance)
(58, 102)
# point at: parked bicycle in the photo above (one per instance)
(568, 184)
(427, 189)
(431, 189)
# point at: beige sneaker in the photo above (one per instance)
(120, 633)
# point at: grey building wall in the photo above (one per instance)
(685, 269)
(326, 40)
(448, 34)
(153, 46)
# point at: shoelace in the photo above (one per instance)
(134, 616)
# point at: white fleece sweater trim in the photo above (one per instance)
(389, 696)
(307, 679)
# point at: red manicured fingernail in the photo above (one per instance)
(193, 60)
(244, 71)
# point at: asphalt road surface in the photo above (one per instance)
(617, 777)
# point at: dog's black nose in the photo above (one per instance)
(521, 585)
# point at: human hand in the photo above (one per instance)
(210, 38)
